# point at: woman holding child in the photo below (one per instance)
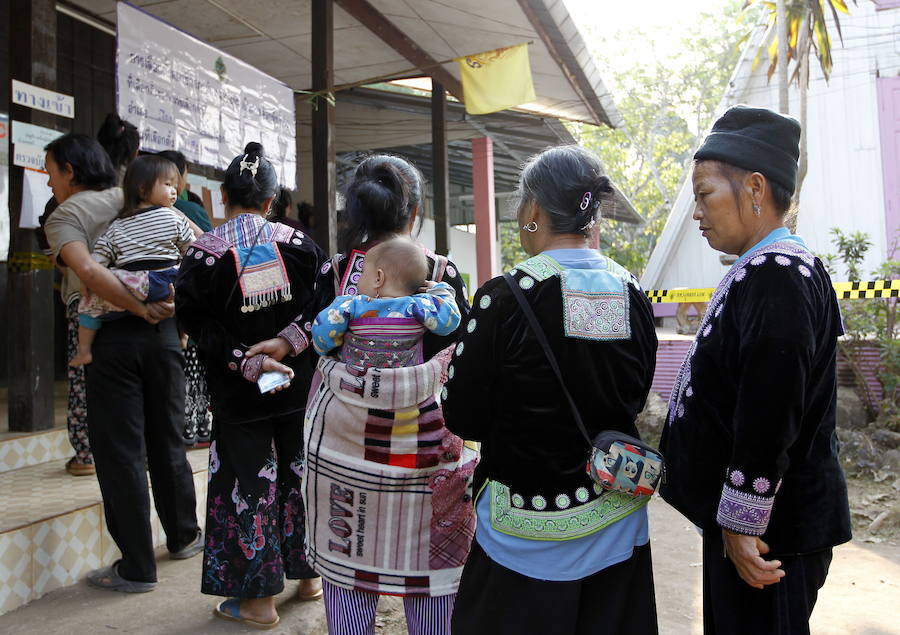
(135, 382)
(246, 281)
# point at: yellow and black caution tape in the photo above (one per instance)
(873, 289)
(844, 291)
(25, 261)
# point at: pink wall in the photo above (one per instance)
(485, 214)
(889, 124)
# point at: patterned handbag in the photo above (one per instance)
(618, 462)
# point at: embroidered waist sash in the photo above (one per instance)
(568, 521)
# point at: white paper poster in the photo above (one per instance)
(26, 156)
(33, 135)
(185, 95)
(35, 194)
(215, 193)
(4, 186)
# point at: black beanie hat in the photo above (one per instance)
(756, 139)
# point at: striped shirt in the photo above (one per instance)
(153, 233)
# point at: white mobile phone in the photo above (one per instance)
(271, 380)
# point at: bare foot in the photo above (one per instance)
(82, 358)
(259, 609)
(309, 589)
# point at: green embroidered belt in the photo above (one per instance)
(566, 524)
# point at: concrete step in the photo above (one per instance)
(53, 531)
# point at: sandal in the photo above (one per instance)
(309, 597)
(77, 468)
(230, 610)
(190, 550)
(108, 579)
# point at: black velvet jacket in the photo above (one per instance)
(750, 439)
(503, 392)
(211, 308)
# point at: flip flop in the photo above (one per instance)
(190, 550)
(310, 597)
(230, 610)
(108, 579)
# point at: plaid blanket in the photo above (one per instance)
(387, 487)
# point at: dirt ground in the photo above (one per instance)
(861, 596)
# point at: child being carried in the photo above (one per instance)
(144, 244)
(382, 326)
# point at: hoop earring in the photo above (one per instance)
(530, 227)
(756, 209)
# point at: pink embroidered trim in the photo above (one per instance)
(213, 244)
(252, 366)
(295, 337)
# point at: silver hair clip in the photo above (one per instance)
(586, 200)
(589, 225)
(246, 165)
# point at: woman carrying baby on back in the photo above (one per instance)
(387, 486)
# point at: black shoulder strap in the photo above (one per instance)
(542, 339)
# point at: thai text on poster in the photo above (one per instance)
(185, 95)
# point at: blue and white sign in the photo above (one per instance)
(42, 99)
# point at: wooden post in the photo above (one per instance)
(32, 56)
(485, 214)
(324, 175)
(440, 179)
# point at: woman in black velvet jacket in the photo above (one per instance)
(750, 438)
(553, 552)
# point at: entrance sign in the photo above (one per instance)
(42, 99)
(183, 94)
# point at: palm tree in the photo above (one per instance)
(803, 30)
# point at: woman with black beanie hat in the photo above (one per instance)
(750, 435)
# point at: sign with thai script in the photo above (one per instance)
(42, 99)
(32, 135)
(185, 95)
(4, 185)
(26, 156)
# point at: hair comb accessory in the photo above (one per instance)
(586, 200)
(246, 165)
(589, 225)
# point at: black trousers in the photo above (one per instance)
(494, 600)
(135, 392)
(733, 607)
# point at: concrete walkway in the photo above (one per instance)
(861, 597)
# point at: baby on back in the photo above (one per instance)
(382, 326)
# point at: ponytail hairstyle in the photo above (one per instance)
(380, 199)
(120, 139)
(568, 183)
(250, 179)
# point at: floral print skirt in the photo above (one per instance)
(76, 410)
(255, 520)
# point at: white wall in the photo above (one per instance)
(843, 187)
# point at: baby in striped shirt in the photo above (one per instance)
(382, 326)
(142, 246)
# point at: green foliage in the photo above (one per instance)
(511, 252)
(666, 106)
(807, 30)
(869, 321)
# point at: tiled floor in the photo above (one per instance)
(53, 530)
(45, 490)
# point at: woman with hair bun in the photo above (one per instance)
(554, 553)
(121, 140)
(245, 281)
(389, 510)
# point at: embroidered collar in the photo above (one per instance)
(776, 235)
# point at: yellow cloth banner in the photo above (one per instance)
(496, 80)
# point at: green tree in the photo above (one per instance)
(666, 106)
